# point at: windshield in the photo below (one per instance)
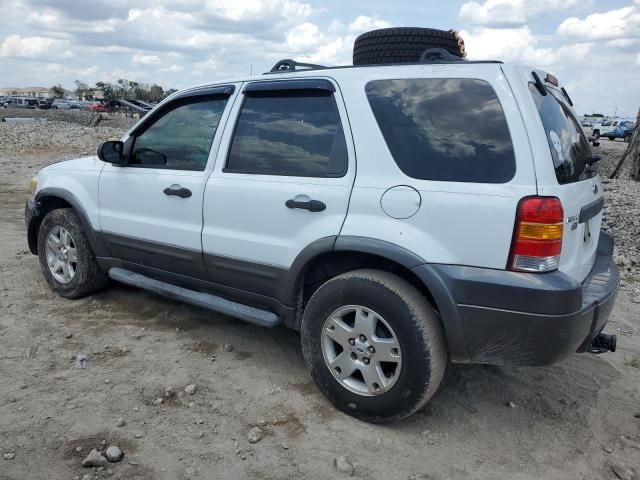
(569, 147)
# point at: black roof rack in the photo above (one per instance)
(430, 55)
(289, 65)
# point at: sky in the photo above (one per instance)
(593, 46)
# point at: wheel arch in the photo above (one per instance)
(333, 256)
(53, 198)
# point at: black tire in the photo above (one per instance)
(627, 137)
(415, 324)
(403, 45)
(596, 135)
(88, 277)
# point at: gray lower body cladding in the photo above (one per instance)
(489, 316)
(501, 317)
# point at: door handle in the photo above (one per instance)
(177, 191)
(311, 205)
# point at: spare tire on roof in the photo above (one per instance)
(404, 45)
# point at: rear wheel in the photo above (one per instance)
(66, 259)
(374, 345)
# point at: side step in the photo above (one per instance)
(205, 300)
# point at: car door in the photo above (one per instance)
(151, 207)
(281, 183)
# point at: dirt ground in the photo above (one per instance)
(579, 419)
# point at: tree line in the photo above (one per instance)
(123, 88)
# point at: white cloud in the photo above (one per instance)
(521, 46)
(623, 23)
(336, 46)
(173, 68)
(242, 10)
(510, 12)
(363, 24)
(29, 47)
(145, 59)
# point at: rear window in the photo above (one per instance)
(444, 129)
(569, 147)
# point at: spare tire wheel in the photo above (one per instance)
(404, 45)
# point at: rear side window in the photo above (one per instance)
(292, 133)
(444, 129)
(569, 147)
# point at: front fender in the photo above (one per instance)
(48, 198)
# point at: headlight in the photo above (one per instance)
(32, 186)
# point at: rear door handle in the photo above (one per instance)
(177, 191)
(311, 205)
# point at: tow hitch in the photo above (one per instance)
(603, 343)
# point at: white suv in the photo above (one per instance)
(397, 216)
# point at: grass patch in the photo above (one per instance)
(634, 361)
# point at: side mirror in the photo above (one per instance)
(111, 152)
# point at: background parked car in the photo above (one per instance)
(603, 128)
(97, 107)
(624, 130)
(60, 104)
(26, 102)
(4, 102)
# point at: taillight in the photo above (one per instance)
(537, 237)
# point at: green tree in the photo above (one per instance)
(58, 91)
(156, 93)
(82, 89)
(108, 90)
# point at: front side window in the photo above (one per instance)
(569, 147)
(444, 129)
(181, 138)
(292, 133)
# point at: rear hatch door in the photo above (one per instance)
(563, 157)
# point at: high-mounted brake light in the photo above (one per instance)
(551, 79)
(537, 237)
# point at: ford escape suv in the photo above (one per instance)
(397, 215)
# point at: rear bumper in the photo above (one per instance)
(501, 317)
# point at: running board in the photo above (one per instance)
(200, 299)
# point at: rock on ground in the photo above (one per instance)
(113, 453)
(254, 435)
(343, 465)
(95, 459)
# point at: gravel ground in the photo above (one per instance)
(185, 393)
(81, 117)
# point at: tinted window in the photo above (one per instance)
(181, 138)
(569, 147)
(288, 133)
(444, 129)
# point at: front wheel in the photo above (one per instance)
(66, 259)
(374, 345)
